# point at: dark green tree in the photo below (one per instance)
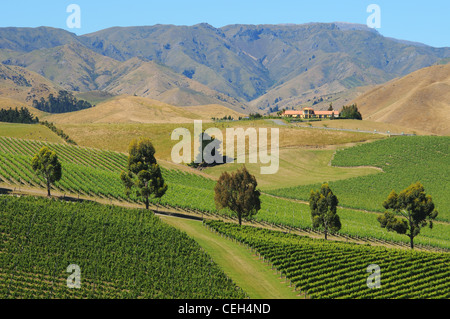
(63, 103)
(323, 204)
(416, 208)
(143, 172)
(237, 191)
(209, 143)
(350, 112)
(46, 165)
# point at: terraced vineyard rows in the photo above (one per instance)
(121, 253)
(95, 173)
(339, 270)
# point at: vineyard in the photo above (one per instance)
(321, 269)
(121, 253)
(404, 161)
(95, 173)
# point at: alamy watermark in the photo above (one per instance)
(213, 154)
(74, 19)
(374, 280)
(74, 280)
(374, 20)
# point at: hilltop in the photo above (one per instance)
(134, 109)
(420, 100)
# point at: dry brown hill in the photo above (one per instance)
(19, 87)
(23, 85)
(420, 100)
(134, 109)
(144, 78)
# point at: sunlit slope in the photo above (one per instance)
(420, 100)
(133, 109)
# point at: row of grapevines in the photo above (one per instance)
(121, 254)
(186, 191)
(333, 270)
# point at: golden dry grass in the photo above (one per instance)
(117, 136)
(29, 132)
(367, 125)
(419, 101)
(133, 109)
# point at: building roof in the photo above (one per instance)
(326, 112)
(293, 112)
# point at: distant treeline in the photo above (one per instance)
(21, 115)
(65, 102)
(59, 132)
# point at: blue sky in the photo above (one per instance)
(422, 21)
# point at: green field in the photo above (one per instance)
(339, 270)
(29, 131)
(95, 173)
(121, 253)
(404, 161)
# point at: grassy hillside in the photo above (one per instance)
(420, 100)
(116, 137)
(298, 166)
(134, 109)
(404, 161)
(29, 131)
(365, 126)
(93, 173)
(121, 253)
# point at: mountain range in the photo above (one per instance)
(247, 68)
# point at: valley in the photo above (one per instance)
(144, 83)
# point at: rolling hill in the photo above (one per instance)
(420, 100)
(19, 87)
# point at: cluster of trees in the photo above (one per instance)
(59, 132)
(411, 210)
(65, 102)
(225, 118)
(350, 112)
(21, 115)
(255, 116)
